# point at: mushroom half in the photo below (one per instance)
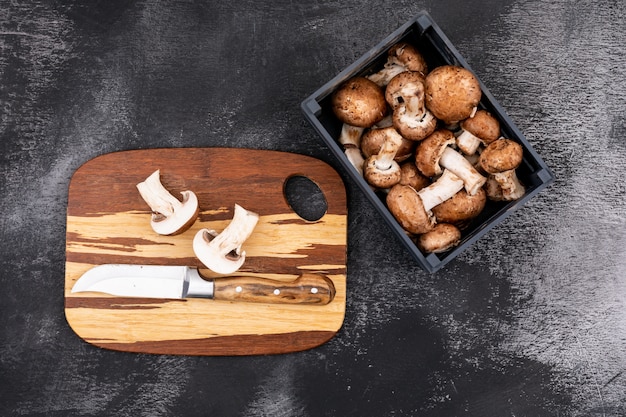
(222, 252)
(169, 215)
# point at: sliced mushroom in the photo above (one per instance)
(452, 93)
(169, 215)
(400, 57)
(222, 252)
(442, 237)
(482, 128)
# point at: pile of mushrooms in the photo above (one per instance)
(220, 252)
(420, 138)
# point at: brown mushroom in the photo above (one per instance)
(504, 186)
(413, 209)
(452, 93)
(410, 175)
(381, 170)
(359, 103)
(434, 153)
(500, 159)
(461, 207)
(480, 128)
(405, 95)
(442, 237)
(373, 139)
(400, 57)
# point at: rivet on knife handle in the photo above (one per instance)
(308, 288)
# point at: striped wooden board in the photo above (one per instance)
(108, 222)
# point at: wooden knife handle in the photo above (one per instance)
(308, 288)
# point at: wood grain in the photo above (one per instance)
(108, 222)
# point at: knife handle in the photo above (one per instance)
(308, 288)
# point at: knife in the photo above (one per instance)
(177, 282)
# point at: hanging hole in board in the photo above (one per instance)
(305, 198)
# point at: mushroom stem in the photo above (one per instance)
(467, 142)
(157, 197)
(512, 188)
(455, 162)
(385, 157)
(446, 186)
(355, 157)
(351, 135)
(385, 75)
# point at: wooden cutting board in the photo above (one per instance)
(108, 222)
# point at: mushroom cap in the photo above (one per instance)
(442, 237)
(501, 155)
(461, 207)
(373, 139)
(406, 207)
(429, 151)
(408, 56)
(411, 176)
(381, 178)
(359, 102)
(452, 93)
(483, 125)
(404, 87)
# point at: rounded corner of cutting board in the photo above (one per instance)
(115, 170)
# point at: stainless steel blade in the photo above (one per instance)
(149, 281)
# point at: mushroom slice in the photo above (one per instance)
(222, 252)
(443, 237)
(169, 215)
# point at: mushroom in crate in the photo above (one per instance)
(452, 93)
(500, 160)
(401, 57)
(405, 95)
(480, 129)
(359, 104)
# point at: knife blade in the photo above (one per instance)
(178, 282)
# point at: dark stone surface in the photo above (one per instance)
(530, 321)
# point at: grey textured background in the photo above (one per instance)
(530, 321)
